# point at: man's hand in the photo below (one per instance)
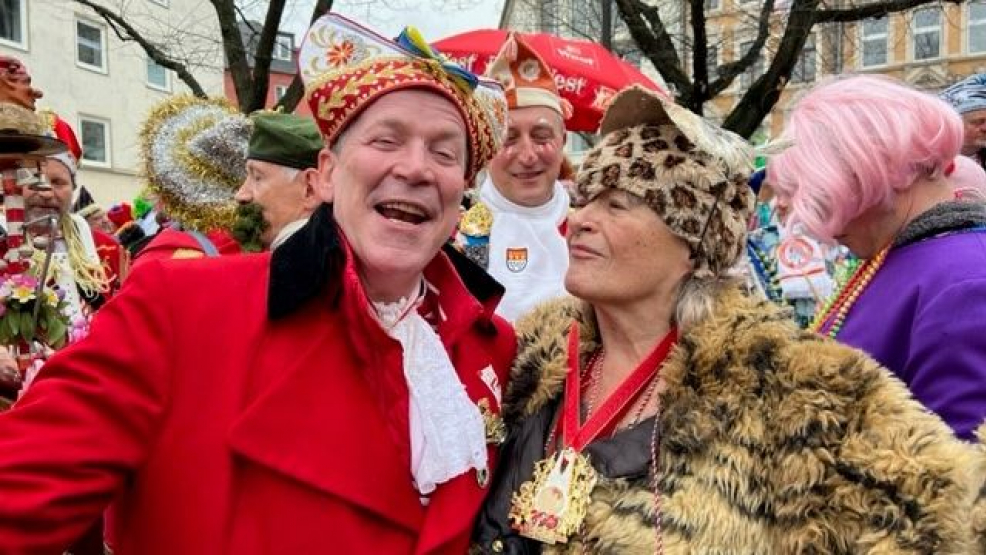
(8, 367)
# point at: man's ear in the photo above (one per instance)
(321, 182)
(311, 179)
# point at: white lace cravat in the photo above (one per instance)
(448, 436)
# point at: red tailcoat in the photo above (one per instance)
(236, 405)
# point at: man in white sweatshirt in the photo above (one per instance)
(516, 228)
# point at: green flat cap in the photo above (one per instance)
(285, 140)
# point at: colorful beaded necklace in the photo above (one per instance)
(765, 269)
(829, 320)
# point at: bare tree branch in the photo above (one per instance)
(651, 35)
(728, 72)
(700, 64)
(246, 20)
(867, 11)
(262, 55)
(289, 102)
(764, 93)
(127, 33)
(236, 55)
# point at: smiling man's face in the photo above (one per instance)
(526, 168)
(395, 179)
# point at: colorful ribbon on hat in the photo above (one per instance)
(411, 40)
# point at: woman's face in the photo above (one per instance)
(620, 251)
(866, 234)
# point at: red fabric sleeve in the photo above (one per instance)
(68, 446)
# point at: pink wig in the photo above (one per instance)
(969, 180)
(856, 142)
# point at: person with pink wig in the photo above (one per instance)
(871, 166)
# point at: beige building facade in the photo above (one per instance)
(929, 47)
(104, 87)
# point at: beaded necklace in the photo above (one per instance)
(765, 268)
(830, 318)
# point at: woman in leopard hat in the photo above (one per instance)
(766, 439)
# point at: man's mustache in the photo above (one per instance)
(42, 209)
(249, 226)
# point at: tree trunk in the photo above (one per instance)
(295, 92)
(764, 93)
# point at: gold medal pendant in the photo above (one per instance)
(552, 505)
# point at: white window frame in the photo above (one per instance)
(104, 68)
(915, 31)
(281, 43)
(712, 40)
(279, 92)
(713, 6)
(166, 87)
(738, 80)
(107, 138)
(970, 24)
(862, 43)
(24, 29)
(814, 77)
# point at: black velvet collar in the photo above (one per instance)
(310, 263)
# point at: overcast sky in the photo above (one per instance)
(436, 19)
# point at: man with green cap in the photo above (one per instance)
(231, 183)
(279, 192)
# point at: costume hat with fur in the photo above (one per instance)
(691, 172)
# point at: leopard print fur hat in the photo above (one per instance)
(691, 172)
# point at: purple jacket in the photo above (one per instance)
(924, 317)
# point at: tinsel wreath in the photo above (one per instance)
(194, 159)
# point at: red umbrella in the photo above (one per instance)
(586, 74)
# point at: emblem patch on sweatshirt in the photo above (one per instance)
(516, 259)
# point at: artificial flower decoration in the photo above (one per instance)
(24, 319)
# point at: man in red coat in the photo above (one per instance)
(339, 395)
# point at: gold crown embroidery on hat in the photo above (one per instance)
(345, 67)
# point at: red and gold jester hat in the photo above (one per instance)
(345, 67)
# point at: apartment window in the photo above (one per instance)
(927, 34)
(711, 5)
(13, 23)
(712, 56)
(283, 48)
(874, 42)
(805, 70)
(90, 45)
(977, 26)
(577, 143)
(279, 92)
(755, 70)
(627, 50)
(95, 141)
(157, 76)
(585, 21)
(548, 16)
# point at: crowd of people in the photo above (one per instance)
(407, 324)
